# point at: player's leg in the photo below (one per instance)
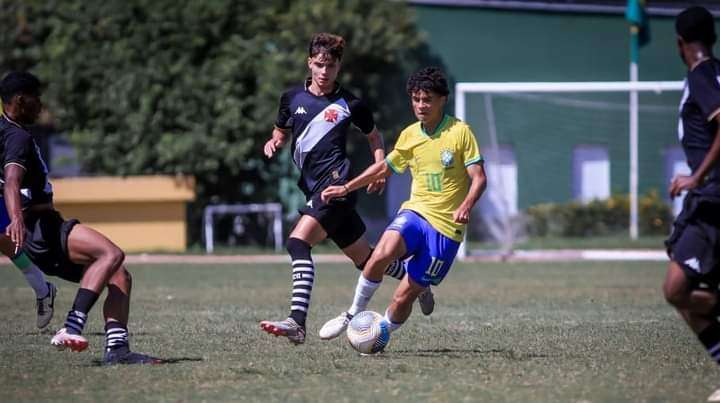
(352, 241)
(101, 259)
(307, 232)
(430, 263)
(391, 247)
(45, 291)
(402, 302)
(694, 261)
(116, 311)
(400, 239)
(692, 302)
(360, 252)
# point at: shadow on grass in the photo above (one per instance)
(161, 361)
(48, 330)
(509, 354)
(130, 334)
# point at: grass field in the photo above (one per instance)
(569, 332)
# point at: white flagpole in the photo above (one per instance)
(634, 39)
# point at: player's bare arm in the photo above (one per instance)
(14, 174)
(377, 148)
(687, 182)
(375, 172)
(277, 141)
(478, 183)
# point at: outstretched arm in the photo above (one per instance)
(477, 187)
(375, 172)
(14, 174)
(377, 148)
(277, 141)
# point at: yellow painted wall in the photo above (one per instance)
(138, 213)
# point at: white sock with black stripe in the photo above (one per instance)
(116, 335)
(710, 338)
(396, 269)
(303, 279)
(75, 322)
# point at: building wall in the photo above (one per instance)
(138, 213)
(486, 45)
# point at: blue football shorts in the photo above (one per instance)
(431, 253)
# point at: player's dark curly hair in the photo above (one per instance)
(18, 82)
(330, 44)
(429, 79)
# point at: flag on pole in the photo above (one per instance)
(640, 25)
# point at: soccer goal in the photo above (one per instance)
(552, 142)
(243, 224)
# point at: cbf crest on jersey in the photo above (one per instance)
(446, 158)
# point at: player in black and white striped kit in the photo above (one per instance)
(317, 116)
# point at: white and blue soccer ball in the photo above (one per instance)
(368, 333)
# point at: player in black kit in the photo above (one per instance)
(317, 116)
(66, 249)
(691, 283)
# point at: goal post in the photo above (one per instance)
(464, 90)
(211, 212)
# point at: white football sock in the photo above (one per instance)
(392, 326)
(363, 292)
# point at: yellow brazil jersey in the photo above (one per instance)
(438, 164)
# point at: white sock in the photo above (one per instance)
(363, 292)
(32, 274)
(392, 326)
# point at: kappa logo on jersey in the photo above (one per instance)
(331, 115)
(309, 203)
(693, 263)
(300, 111)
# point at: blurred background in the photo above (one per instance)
(156, 110)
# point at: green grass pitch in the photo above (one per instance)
(572, 332)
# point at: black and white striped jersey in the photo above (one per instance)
(319, 126)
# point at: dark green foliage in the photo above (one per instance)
(191, 87)
(599, 217)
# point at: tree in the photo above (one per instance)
(191, 87)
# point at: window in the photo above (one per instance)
(591, 173)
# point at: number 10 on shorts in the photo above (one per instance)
(434, 269)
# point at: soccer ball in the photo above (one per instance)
(368, 333)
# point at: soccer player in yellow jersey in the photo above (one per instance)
(448, 179)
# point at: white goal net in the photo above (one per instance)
(565, 142)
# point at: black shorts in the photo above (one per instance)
(695, 242)
(338, 218)
(46, 234)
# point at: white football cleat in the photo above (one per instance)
(335, 327)
(715, 397)
(427, 301)
(63, 340)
